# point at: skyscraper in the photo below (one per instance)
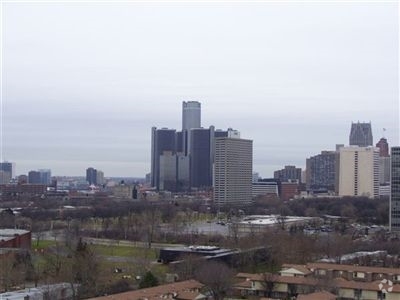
(288, 173)
(45, 176)
(233, 171)
(394, 206)
(162, 140)
(384, 161)
(8, 167)
(191, 115)
(383, 147)
(91, 176)
(34, 177)
(201, 157)
(321, 171)
(360, 134)
(359, 171)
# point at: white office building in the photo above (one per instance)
(233, 171)
(359, 171)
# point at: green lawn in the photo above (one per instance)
(42, 244)
(126, 251)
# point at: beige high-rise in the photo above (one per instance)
(359, 171)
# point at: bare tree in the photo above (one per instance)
(268, 283)
(217, 278)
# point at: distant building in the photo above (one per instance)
(360, 134)
(45, 176)
(100, 177)
(15, 238)
(8, 167)
(289, 190)
(162, 140)
(123, 191)
(233, 171)
(5, 177)
(191, 115)
(383, 147)
(359, 171)
(288, 173)
(167, 171)
(260, 188)
(34, 177)
(201, 157)
(191, 118)
(394, 214)
(91, 176)
(321, 171)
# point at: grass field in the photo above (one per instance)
(125, 251)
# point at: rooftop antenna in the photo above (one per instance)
(383, 132)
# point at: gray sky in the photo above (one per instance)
(83, 83)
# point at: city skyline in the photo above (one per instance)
(87, 93)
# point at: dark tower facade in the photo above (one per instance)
(360, 134)
(162, 141)
(91, 176)
(201, 157)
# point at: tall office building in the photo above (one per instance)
(8, 167)
(360, 134)
(394, 213)
(359, 171)
(91, 176)
(201, 157)
(191, 118)
(162, 141)
(45, 176)
(100, 177)
(321, 171)
(233, 171)
(288, 173)
(34, 177)
(384, 161)
(191, 115)
(383, 147)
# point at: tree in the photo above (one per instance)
(268, 283)
(85, 269)
(148, 280)
(217, 278)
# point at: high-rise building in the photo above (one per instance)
(162, 140)
(394, 207)
(168, 171)
(99, 177)
(359, 171)
(91, 176)
(384, 161)
(8, 167)
(5, 177)
(191, 115)
(360, 134)
(45, 176)
(383, 147)
(288, 173)
(34, 177)
(321, 171)
(201, 157)
(233, 171)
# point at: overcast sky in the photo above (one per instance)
(83, 83)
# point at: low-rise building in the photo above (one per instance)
(15, 238)
(341, 281)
